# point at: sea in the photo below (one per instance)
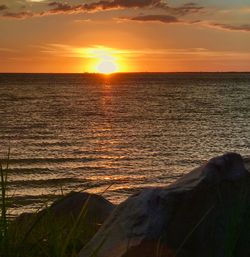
(115, 134)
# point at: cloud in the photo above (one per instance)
(4, 49)
(231, 27)
(188, 8)
(57, 7)
(18, 15)
(61, 8)
(3, 7)
(104, 5)
(95, 51)
(159, 18)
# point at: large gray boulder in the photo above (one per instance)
(204, 214)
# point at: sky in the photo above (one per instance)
(124, 35)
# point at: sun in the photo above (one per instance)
(105, 60)
(106, 67)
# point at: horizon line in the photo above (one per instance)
(130, 72)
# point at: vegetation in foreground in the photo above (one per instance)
(44, 235)
(41, 234)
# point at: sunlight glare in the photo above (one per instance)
(105, 60)
(106, 67)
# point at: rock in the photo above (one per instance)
(97, 207)
(247, 163)
(204, 214)
(71, 206)
(82, 212)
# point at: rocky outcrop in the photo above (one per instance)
(97, 207)
(72, 204)
(206, 213)
(77, 214)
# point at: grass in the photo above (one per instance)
(41, 234)
(4, 218)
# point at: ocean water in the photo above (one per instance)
(116, 134)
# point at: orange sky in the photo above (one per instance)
(139, 35)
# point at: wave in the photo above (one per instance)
(49, 160)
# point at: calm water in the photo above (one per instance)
(130, 131)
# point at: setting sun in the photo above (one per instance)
(106, 67)
(105, 60)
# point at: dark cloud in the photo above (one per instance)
(3, 7)
(188, 8)
(104, 5)
(159, 18)
(18, 15)
(60, 7)
(244, 27)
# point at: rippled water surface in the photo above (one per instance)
(127, 131)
